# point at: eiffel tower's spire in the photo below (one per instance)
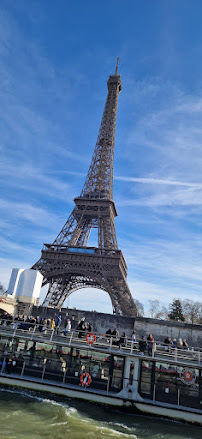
(117, 65)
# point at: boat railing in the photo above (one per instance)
(58, 371)
(107, 342)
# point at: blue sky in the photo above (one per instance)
(55, 59)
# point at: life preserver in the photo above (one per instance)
(90, 338)
(188, 376)
(85, 379)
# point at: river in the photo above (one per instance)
(25, 415)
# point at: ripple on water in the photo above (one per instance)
(24, 415)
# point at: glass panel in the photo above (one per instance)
(131, 373)
(190, 387)
(145, 381)
(94, 363)
(166, 377)
(117, 379)
(178, 385)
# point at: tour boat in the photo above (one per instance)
(164, 381)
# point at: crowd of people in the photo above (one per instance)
(143, 344)
(60, 327)
(64, 327)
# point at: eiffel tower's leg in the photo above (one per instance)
(55, 292)
(60, 289)
(75, 231)
(85, 233)
(68, 229)
(122, 301)
(107, 233)
(117, 288)
(82, 232)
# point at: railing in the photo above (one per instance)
(104, 342)
(81, 250)
(8, 300)
(56, 372)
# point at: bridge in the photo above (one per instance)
(7, 304)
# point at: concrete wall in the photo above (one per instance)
(100, 322)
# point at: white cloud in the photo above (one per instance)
(33, 214)
(157, 181)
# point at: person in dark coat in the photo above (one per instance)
(81, 327)
(142, 345)
(122, 340)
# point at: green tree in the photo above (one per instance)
(176, 312)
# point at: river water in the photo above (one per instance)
(25, 415)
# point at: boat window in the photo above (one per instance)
(94, 363)
(117, 375)
(145, 386)
(56, 362)
(131, 372)
(178, 385)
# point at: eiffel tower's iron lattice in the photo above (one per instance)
(68, 264)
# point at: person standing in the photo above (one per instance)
(52, 324)
(133, 336)
(150, 343)
(68, 327)
(142, 345)
(58, 323)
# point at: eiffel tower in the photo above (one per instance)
(68, 264)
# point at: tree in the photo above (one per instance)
(176, 312)
(192, 311)
(157, 311)
(153, 308)
(162, 314)
(140, 308)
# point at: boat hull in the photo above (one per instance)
(136, 407)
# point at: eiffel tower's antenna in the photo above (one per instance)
(68, 264)
(117, 65)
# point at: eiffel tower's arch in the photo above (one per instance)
(90, 299)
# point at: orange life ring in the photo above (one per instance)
(187, 375)
(90, 338)
(85, 379)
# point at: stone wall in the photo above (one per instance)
(100, 322)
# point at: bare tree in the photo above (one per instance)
(154, 308)
(192, 311)
(140, 308)
(157, 311)
(162, 314)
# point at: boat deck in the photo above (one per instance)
(191, 357)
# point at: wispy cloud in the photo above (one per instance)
(29, 213)
(157, 181)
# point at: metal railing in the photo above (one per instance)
(64, 375)
(105, 342)
(81, 250)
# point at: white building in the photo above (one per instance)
(25, 285)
